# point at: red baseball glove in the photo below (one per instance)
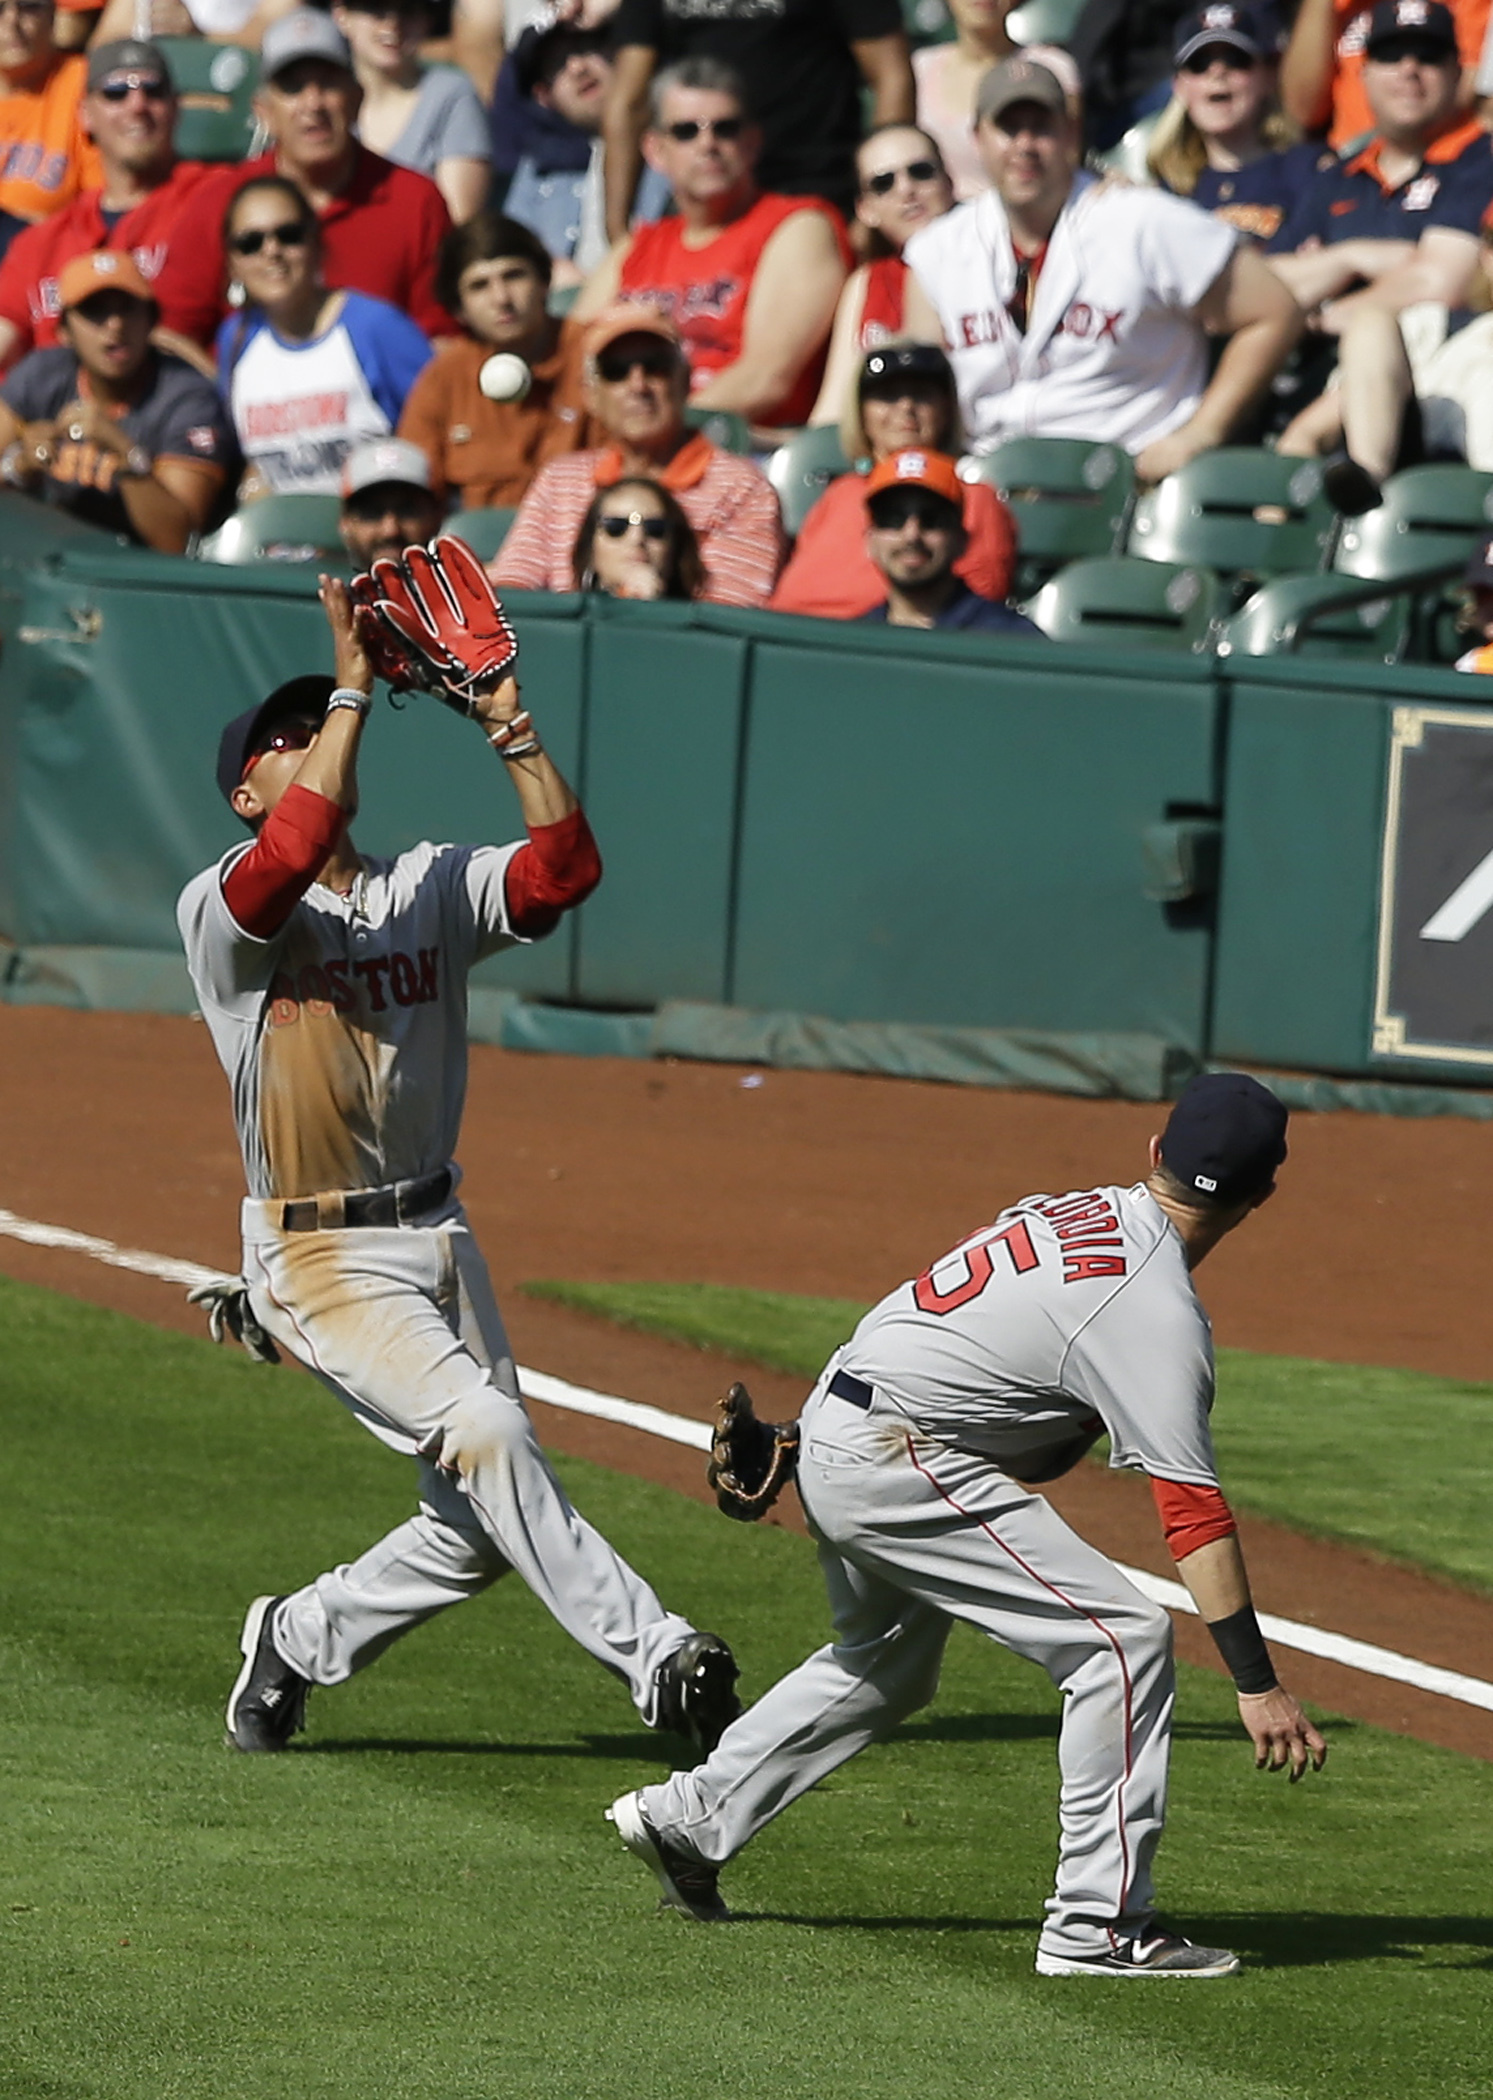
(437, 624)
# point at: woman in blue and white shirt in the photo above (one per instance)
(307, 372)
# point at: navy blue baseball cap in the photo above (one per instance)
(1426, 21)
(298, 698)
(1247, 29)
(1225, 1137)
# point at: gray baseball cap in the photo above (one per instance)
(1018, 80)
(308, 33)
(127, 54)
(384, 459)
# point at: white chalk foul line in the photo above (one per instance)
(680, 1429)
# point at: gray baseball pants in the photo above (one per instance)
(912, 1535)
(402, 1326)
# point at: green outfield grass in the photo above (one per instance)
(1397, 1461)
(423, 1903)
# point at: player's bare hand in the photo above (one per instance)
(351, 664)
(1281, 1733)
(500, 708)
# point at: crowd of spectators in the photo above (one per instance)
(592, 261)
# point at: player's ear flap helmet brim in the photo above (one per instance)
(1225, 1137)
(298, 696)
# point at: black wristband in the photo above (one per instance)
(1242, 1646)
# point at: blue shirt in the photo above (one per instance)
(969, 610)
(1348, 200)
(1258, 199)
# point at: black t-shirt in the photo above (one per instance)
(801, 76)
(179, 416)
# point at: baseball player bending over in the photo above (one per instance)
(335, 990)
(1069, 1318)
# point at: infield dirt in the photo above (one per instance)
(599, 1169)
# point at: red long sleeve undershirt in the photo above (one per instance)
(1191, 1516)
(558, 868)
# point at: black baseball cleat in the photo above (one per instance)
(267, 1705)
(696, 1691)
(688, 1884)
(1153, 1953)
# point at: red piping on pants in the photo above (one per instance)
(1052, 1588)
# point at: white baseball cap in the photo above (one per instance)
(384, 459)
(308, 33)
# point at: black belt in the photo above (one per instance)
(855, 1390)
(394, 1205)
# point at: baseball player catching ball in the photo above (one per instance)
(334, 987)
(1070, 1317)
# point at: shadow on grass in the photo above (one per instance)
(1311, 1939)
(655, 1749)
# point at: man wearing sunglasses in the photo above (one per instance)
(46, 156)
(387, 501)
(1394, 226)
(129, 111)
(1322, 81)
(915, 534)
(637, 383)
(107, 426)
(1073, 308)
(335, 990)
(751, 279)
(381, 225)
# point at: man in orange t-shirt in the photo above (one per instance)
(751, 280)
(46, 157)
(1321, 75)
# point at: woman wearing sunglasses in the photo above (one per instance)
(307, 373)
(424, 117)
(1223, 140)
(901, 183)
(636, 542)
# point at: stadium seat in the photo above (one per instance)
(1044, 21)
(1119, 601)
(483, 530)
(1070, 497)
(1323, 615)
(1243, 512)
(802, 469)
(562, 298)
(215, 86)
(723, 427)
(1429, 515)
(927, 22)
(1127, 156)
(287, 527)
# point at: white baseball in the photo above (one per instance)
(505, 377)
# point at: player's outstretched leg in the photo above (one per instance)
(267, 1705)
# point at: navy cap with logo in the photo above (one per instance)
(1225, 1137)
(1424, 21)
(298, 698)
(1245, 28)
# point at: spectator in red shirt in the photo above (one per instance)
(129, 111)
(904, 398)
(750, 278)
(380, 225)
(637, 383)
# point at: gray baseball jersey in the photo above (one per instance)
(344, 1035)
(1066, 1308)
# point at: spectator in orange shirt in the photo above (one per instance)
(129, 111)
(46, 157)
(750, 278)
(904, 399)
(495, 274)
(637, 382)
(1321, 74)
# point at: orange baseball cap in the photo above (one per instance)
(625, 318)
(919, 470)
(105, 270)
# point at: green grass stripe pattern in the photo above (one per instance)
(422, 1902)
(1399, 1462)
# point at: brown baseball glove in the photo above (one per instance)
(751, 1462)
